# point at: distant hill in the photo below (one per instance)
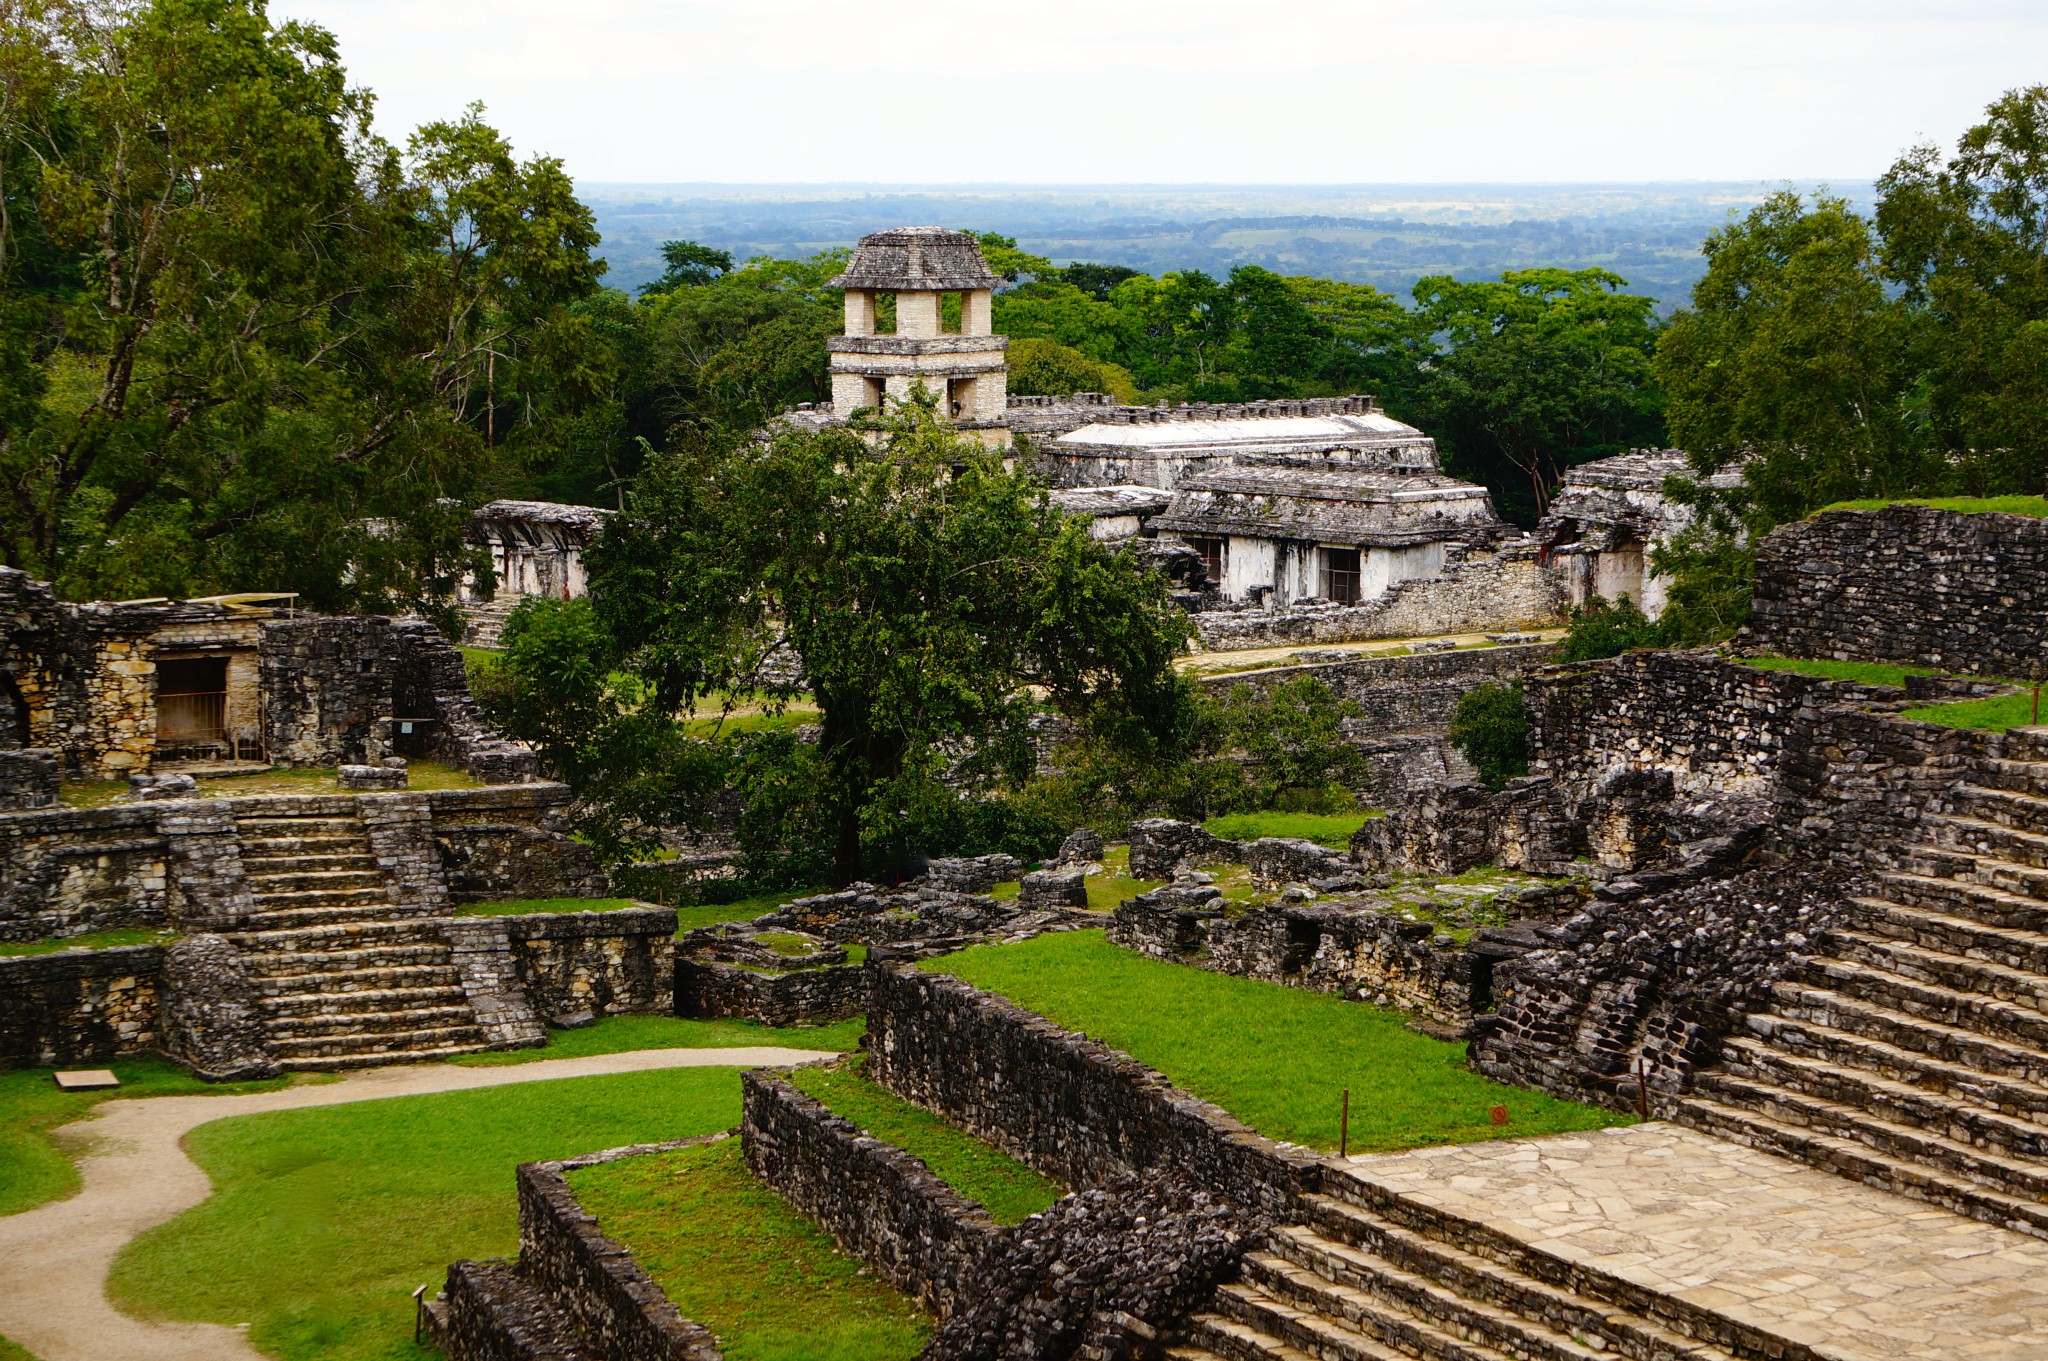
(1385, 235)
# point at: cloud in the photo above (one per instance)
(1111, 91)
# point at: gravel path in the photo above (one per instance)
(54, 1259)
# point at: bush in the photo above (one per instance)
(1492, 728)
(1599, 629)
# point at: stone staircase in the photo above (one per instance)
(1372, 1277)
(345, 977)
(1913, 1055)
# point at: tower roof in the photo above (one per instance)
(917, 259)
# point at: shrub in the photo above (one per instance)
(1600, 629)
(1492, 728)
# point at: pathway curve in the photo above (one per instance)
(54, 1259)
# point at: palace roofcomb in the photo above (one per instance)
(916, 259)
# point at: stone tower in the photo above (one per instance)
(962, 366)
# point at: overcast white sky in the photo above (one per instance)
(1182, 91)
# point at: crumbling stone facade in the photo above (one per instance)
(1908, 584)
(80, 1006)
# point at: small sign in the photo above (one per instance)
(87, 1080)
(1499, 1114)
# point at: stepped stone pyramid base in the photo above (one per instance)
(1654, 1242)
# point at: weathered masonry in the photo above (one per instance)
(943, 336)
(536, 550)
(1610, 516)
(107, 690)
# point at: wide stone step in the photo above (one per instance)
(328, 1002)
(324, 1063)
(2018, 777)
(1324, 1338)
(1464, 1292)
(1906, 979)
(1953, 1158)
(1986, 839)
(2026, 951)
(407, 1040)
(315, 880)
(1185, 1352)
(265, 828)
(1859, 1162)
(355, 971)
(285, 848)
(342, 935)
(323, 897)
(2022, 809)
(1978, 902)
(1218, 1335)
(291, 918)
(1957, 1063)
(331, 963)
(262, 866)
(1971, 1048)
(1377, 1317)
(353, 1024)
(1977, 1124)
(1942, 967)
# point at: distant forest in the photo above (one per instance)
(1388, 236)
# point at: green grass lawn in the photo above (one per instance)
(1994, 712)
(622, 1034)
(10, 1351)
(519, 907)
(1325, 829)
(1276, 1058)
(33, 1168)
(740, 910)
(736, 1258)
(1009, 1190)
(1969, 505)
(91, 940)
(420, 774)
(323, 1221)
(1863, 673)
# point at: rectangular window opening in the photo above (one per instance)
(1212, 558)
(1340, 575)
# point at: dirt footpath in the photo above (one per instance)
(54, 1259)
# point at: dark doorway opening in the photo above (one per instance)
(192, 702)
(1340, 575)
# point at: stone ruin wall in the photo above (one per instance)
(80, 1006)
(1481, 593)
(878, 1202)
(714, 989)
(1907, 584)
(1075, 1109)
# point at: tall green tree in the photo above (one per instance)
(1966, 238)
(936, 603)
(1534, 372)
(243, 340)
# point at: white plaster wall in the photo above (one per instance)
(1620, 574)
(1247, 563)
(1382, 568)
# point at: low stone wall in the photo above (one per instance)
(879, 1203)
(80, 1006)
(28, 779)
(615, 1308)
(512, 842)
(1907, 584)
(596, 963)
(1361, 954)
(67, 871)
(1072, 1107)
(709, 988)
(1483, 593)
(1413, 694)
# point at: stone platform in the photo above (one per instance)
(1784, 1250)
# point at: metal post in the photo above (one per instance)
(1344, 1126)
(419, 1316)
(1642, 1089)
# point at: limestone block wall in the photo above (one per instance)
(596, 963)
(512, 842)
(705, 987)
(1400, 695)
(1907, 584)
(1072, 1107)
(1363, 955)
(80, 1006)
(878, 1202)
(431, 691)
(67, 871)
(327, 685)
(1491, 592)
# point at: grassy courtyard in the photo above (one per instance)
(623, 1034)
(323, 1221)
(1276, 1058)
(92, 940)
(736, 1258)
(1327, 829)
(1993, 713)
